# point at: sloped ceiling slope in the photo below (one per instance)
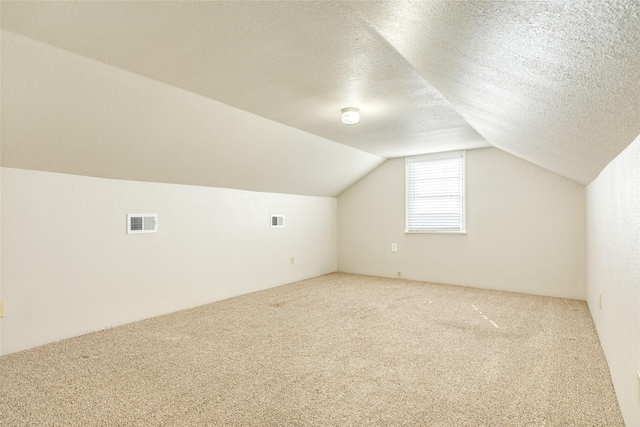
(65, 113)
(552, 82)
(298, 63)
(294, 63)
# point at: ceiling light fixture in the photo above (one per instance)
(350, 115)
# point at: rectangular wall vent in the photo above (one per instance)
(277, 221)
(142, 223)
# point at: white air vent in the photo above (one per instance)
(277, 221)
(142, 223)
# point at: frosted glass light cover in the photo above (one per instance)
(350, 116)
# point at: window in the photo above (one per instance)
(435, 193)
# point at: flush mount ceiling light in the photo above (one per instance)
(350, 116)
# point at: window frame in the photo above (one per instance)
(463, 208)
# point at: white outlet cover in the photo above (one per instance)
(639, 387)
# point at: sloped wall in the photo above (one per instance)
(525, 229)
(613, 260)
(65, 113)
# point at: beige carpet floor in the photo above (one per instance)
(337, 350)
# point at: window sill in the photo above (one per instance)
(435, 232)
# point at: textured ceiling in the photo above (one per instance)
(555, 83)
(298, 63)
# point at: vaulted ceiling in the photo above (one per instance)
(555, 83)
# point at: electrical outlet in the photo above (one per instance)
(638, 387)
(1, 308)
(394, 247)
(600, 302)
(399, 273)
(293, 260)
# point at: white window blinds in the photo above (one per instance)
(435, 193)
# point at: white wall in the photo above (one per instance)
(0, 183)
(68, 266)
(613, 259)
(525, 229)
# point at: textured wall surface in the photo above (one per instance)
(613, 259)
(525, 229)
(68, 266)
(70, 114)
(0, 184)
